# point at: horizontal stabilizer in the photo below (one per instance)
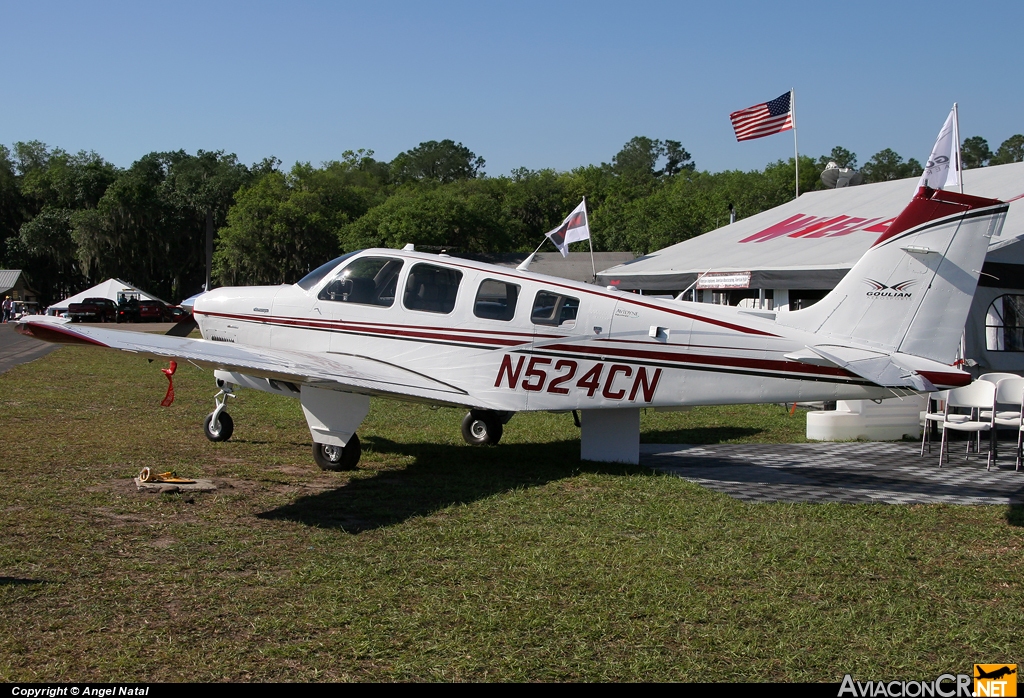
(889, 370)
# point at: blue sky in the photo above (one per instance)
(523, 84)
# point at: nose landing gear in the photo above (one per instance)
(218, 425)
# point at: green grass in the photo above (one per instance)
(439, 561)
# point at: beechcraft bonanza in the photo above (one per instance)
(406, 325)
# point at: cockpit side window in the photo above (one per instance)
(314, 277)
(496, 300)
(366, 281)
(555, 309)
(432, 288)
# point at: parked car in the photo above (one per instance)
(93, 310)
(23, 308)
(152, 311)
(128, 310)
(175, 313)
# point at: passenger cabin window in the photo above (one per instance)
(431, 288)
(555, 309)
(496, 300)
(1004, 324)
(366, 281)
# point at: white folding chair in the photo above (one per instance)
(1009, 394)
(994, 378)
(934, 414)
(1020, 439)
(977, 396)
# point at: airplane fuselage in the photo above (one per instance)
(516, 341)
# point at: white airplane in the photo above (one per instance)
(436, 329)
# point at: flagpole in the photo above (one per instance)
(590, 239)
(796, 150)
(956, 139)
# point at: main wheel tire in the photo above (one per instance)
(221, 431)
(338, 458)
(481, 428)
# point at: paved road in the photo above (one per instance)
(16, 349)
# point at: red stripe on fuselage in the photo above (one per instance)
(733, 361)
(637, 355)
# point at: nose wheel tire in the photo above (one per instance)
(481, 428)
(338, 458)
(221, 430)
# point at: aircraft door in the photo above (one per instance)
(650, 345)
(567, 328)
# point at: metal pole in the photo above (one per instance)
(796, 150)
(956, 139)
(209, 247)
(590, 240)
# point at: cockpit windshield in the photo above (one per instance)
(314, 277)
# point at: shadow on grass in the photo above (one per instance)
(17, 581)
(699, 435)
(1015, 515)
(439, 477)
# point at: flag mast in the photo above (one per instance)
(956, 140)
(590, 240)
(796, 150)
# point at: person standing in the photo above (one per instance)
(8, 306)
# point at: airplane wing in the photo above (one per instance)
(345, 372)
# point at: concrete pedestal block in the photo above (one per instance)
(610, 436)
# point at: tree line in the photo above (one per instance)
(73, 220)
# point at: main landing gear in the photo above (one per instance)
(338, 458)
(343, 414)
(484, 427)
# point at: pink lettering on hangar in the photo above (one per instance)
(802, 225)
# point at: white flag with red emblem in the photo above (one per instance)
(573, 229)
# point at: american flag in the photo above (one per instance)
(763, 119)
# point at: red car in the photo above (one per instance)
(93, 310)
(151, 311)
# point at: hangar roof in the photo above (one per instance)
(813, 241)
(8, 277)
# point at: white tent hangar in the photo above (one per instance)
(792, 255)
(111, 288)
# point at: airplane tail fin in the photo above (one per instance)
(911, 292)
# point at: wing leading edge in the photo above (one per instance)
(344, 372)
